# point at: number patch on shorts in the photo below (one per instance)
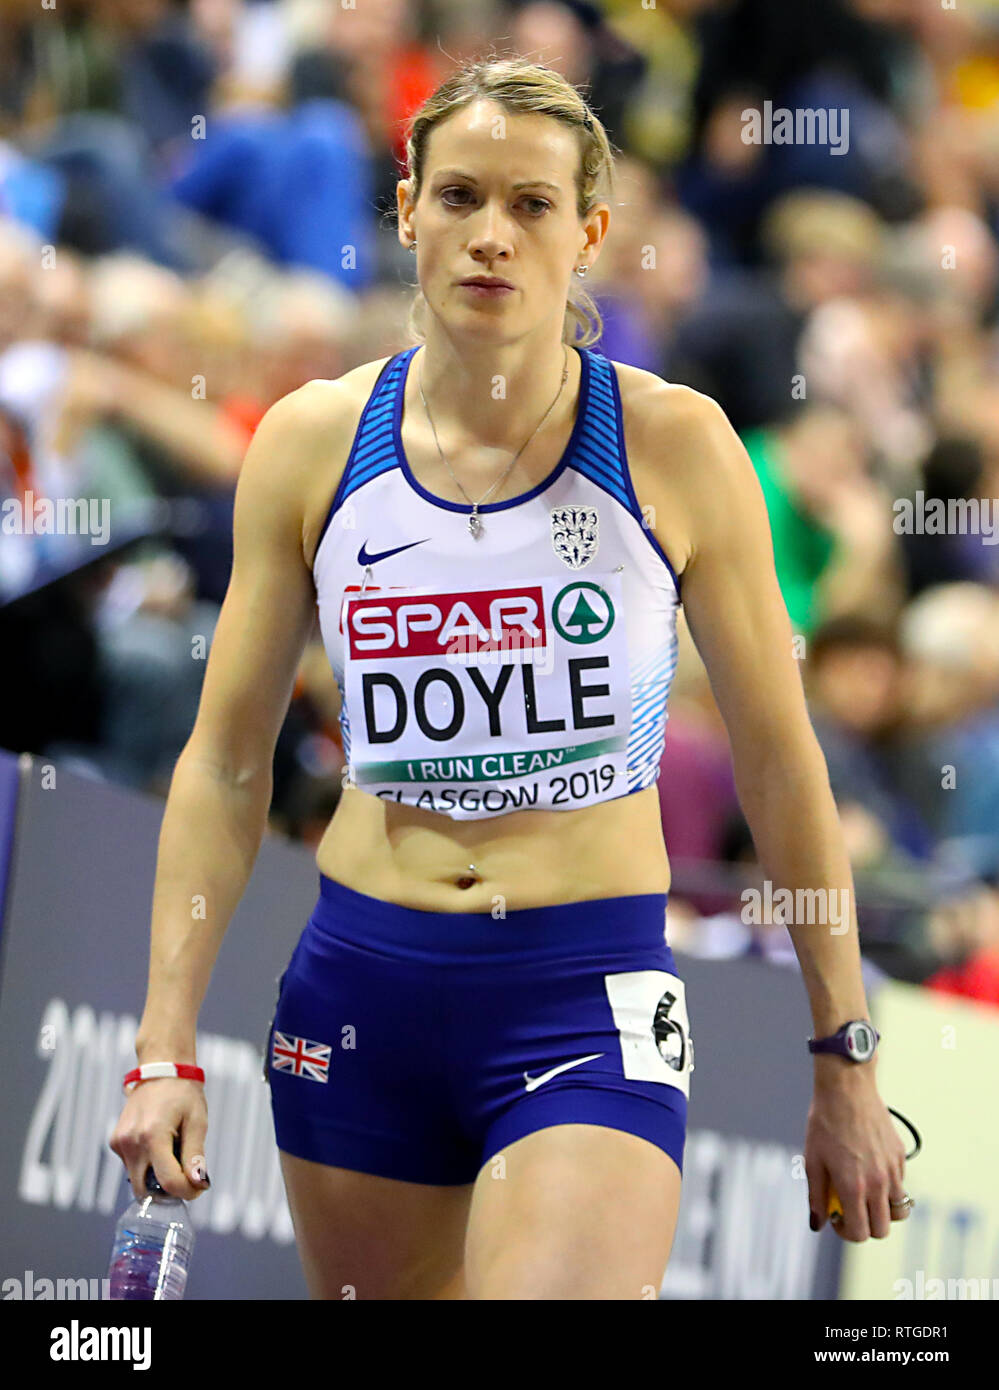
(650, 1014)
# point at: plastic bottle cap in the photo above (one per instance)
(153, 1184)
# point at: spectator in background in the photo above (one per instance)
(572, 37)
(290, 167)
(119, 635)
(831, 523)
(955, 147)
(30, 193)
(139, 61)
(882, 350)
(948, 764)
(854, 683)
(20, 256)
(652, 274)
(829, 55)
(104, 89)
(32, 382)
(966, 935)
(658, 117)
(218, 322)
(143, 418)
(384, 69)
(952, 471)
(740, 342)
(866, 354)
(303, 326)
(62, 300)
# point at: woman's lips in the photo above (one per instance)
(495, 291)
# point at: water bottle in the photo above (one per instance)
(152, 1249)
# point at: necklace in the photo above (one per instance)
(474, 521)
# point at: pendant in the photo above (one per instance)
(474, 524)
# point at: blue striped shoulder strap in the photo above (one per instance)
(374, 448)
(600, 453)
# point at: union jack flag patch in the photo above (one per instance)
(300, 1056)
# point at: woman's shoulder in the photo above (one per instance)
(301, 446)
(666, 402)
(665, 419)
(325, 403)
(318, 420)
(685, 458)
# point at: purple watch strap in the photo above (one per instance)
(837, 1042)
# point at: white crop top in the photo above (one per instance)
(528, 667)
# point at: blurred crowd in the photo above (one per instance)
(195, 219)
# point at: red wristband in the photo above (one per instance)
(149, 1071)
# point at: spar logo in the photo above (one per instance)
(433, 624)
(583, 612)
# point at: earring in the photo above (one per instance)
(412, 244)
(581, 270)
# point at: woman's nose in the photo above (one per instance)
(491, 234)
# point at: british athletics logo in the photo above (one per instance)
(431, 624)
(301, 1057)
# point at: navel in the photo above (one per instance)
(468, 880)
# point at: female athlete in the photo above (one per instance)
(480, 1058)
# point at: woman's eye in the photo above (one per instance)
(457, 197)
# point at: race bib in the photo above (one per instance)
(476, 702)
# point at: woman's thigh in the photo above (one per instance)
(573, 1211)
(361, 1236)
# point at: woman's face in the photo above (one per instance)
(498, 199)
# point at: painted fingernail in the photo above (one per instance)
(200, 1171)
(813, 1221)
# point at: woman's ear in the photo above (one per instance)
(405, 204)
(595, 230)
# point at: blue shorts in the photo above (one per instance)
(416, 1045)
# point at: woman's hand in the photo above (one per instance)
(155, 1112)
(852, 1146)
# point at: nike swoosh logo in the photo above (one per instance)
(533, 1082)
(364, 557)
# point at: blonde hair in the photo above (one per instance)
(523, 88)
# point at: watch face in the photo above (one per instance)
(860, 1040)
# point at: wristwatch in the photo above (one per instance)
(857, 1040)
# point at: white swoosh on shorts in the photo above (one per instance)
(532, 1082)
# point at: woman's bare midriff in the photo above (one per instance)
(421, 859)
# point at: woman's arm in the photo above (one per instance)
(220, 792)
(741, 629)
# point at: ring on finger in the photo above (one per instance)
(905, 1203)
